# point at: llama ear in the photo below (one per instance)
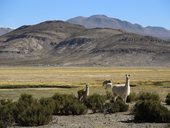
(126, 75)
(129, 75)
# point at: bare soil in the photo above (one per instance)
(99, 120)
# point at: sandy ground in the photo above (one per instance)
(99, 120)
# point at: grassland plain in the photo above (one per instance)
(16, 80)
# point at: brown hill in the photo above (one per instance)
(59, 43)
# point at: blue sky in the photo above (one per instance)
(15, 13)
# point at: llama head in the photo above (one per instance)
(87, 85)
(127, 76)
(107, 83)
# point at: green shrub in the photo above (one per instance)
(123, 107)
(35, 115)
(132, 97)
(95, 102)
(149, 96)
(5, 101)
(167, 100)
(6, 112)
(151, 111)
(109, 95)
(78, 108)
(58, 100)
(118, 106)
(49, 103)
(31, 112)
(68, 105)
(2, 125)
(24, 102)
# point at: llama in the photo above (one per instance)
(107, 84)
(122, 90)
(82, 94)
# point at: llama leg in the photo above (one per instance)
(81, 97)
(125, 99)
(115, 98)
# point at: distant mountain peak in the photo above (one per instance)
(4, 30)
(103, 21)
(98, 16)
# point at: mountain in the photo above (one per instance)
(102, 21)
(58, 43)
(4, 31)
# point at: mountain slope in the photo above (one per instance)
(102, 21)
(60, 43)
(4, 31)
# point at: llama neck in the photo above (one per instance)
(127, 82)
(87, 91)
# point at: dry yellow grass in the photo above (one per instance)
(144, 78)
(76, 76)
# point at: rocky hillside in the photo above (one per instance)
(102, 21)
(58, 43)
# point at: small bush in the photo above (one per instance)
(22, 104)
(2, 125)
(48, 103)
(167, 100)
(95, 102)
(31, 112)
(109, 95)
(149, 96)
(6, 112)
(123, 107)
(118, 106)
(35, 115)
(5, 101)
(68, 105)
(151, 111)
(77, 108)
(132, 97)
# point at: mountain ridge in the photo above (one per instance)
(102, 21)
(59, 43)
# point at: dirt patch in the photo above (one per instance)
(117, 120)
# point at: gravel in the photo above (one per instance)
(99, 120)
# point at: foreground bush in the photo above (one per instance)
(149, 96)
(95, 102)
(2, 125)
(167, 100)
(118, 106)
(151, 111)
(31, 112)
(6, 113)
(68, 105)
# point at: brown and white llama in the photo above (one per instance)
(83, 93)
